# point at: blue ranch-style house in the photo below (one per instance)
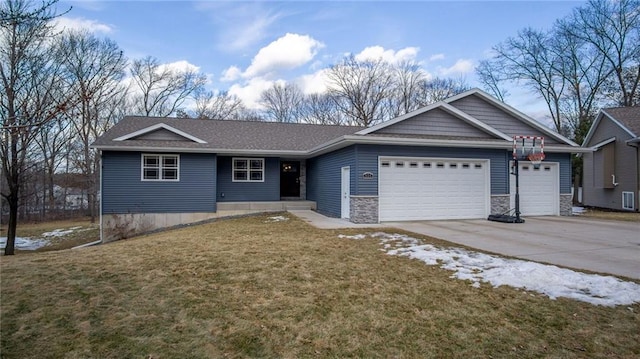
(449, 160)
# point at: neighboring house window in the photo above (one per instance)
(248, 169)
(628, 200)
(160, 167)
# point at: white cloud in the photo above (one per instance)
(179, 66)
(461, 67)
(250, 92)
(78, 23)
(390, 56)
(231, 74)
(436, 57)
(252, 32)
(287, 52)
(314, 83)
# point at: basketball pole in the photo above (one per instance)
(517, 174)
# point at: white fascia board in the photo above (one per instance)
(475, 122)
(530, 121)
(384, 124)
(603, 143)
(157, 127)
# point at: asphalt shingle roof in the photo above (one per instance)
(228, 135)
(628, 116)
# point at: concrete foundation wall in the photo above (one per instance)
(363, 209)
(126, 225)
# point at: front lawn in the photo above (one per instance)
(263, 287)
(52, 235)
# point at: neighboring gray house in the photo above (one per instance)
(449, 160)
(611, 171)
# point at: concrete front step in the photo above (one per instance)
(266, 206)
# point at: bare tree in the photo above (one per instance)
(320, 109)
(437, 89)
(281, 102)
(612, 28)
(94, 68)
(30, 93)
(53, 144)
(360, 89)
(408, 78)
(217, 106)
(528, 58)
(160, 90)
(492, 78)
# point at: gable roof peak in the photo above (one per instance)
(156, 127)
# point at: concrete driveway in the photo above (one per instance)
(601, 246)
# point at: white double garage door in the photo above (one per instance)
(438, 188)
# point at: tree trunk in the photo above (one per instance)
(12, 225)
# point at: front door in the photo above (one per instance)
(345, 189)
(290, 179)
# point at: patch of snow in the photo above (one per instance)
(549, 280)
(276, 219)
(577, 210)
(357, 236)
(58, 232)
(25, 243)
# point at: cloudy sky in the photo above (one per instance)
(244, 46)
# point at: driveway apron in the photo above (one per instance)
(600, 246)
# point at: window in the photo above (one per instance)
(160, 167)
(627, 200)
(248, 170)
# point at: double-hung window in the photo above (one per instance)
(248, 169)
(628, 200)
(157, 167)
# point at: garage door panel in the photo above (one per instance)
(422, 188)
(539, 189)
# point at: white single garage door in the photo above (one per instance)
(432, 188)
(539, 189)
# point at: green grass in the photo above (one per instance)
(244, 288)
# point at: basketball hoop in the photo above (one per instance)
(536, 158)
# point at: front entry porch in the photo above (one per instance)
(267, 206)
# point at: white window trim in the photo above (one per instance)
(248, 169)
(632, 194)
(160, 179)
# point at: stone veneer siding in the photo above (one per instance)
(363, 209)
(566, 204)
(500, 203)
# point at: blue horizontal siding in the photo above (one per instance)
(123, 191)
(367, 161)
(564, 159)
(269, 190)
(324, 179)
